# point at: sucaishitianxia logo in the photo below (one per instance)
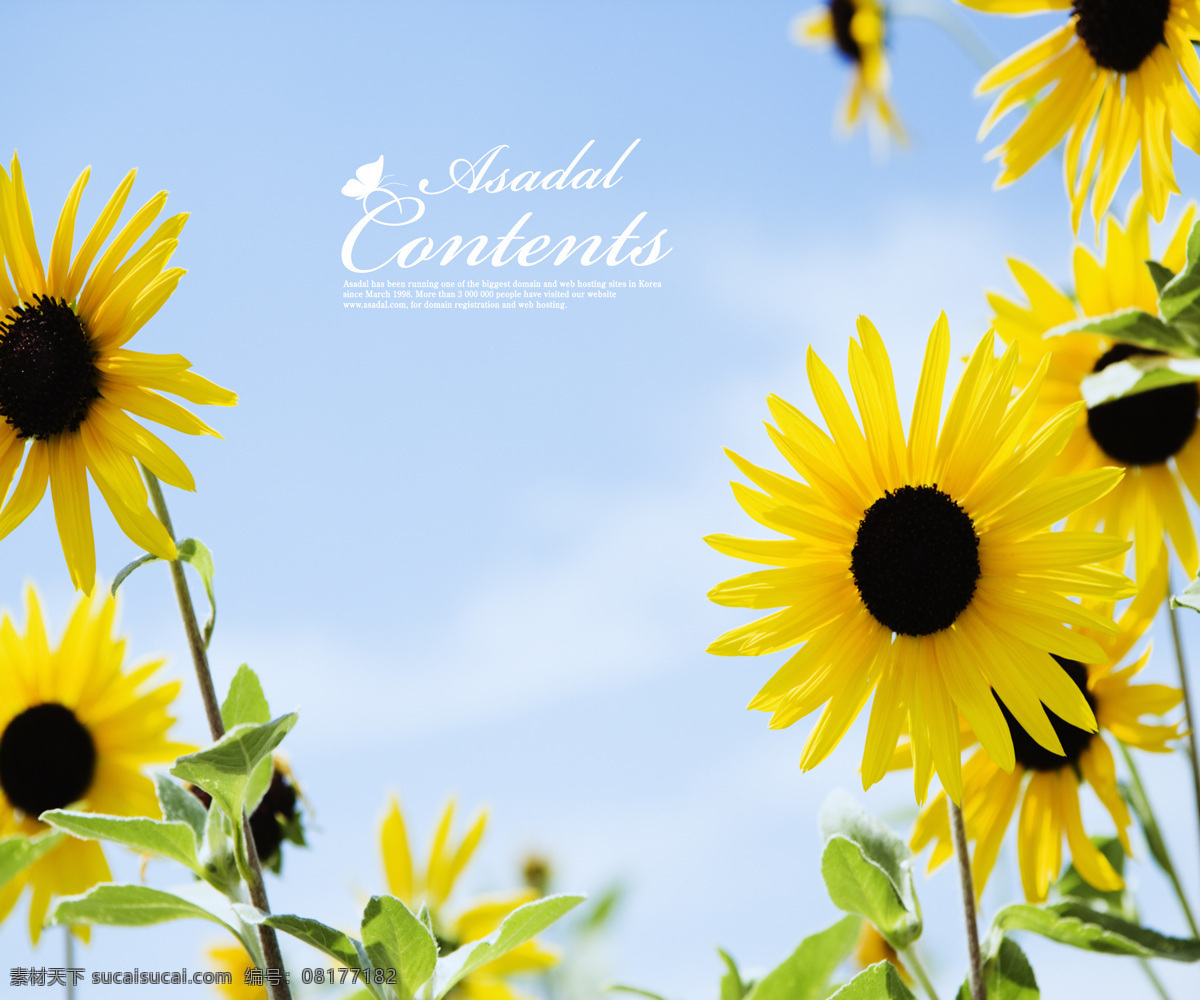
(383, 205)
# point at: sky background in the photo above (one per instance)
(467, 546)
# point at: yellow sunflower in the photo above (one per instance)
(433, 887)
(1151, 434)
(67, 382)
(1048, 785)
(924, 572)
(1114, 76)
(858, 30)
(75, 730)
(872, 947)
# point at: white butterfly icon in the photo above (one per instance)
(365, 180)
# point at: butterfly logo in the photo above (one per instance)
(365, 180)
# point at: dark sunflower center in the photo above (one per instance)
(915, 560)
(1120, 34)
(48, 375)
(277, 808)
(842, 12)
(1030, 753)
(47, 759)
(1146, 428)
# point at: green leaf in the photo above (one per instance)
(218, 854)
(1072, 885)
(518, 927)
(805, 974)
(1083, 927)
(868, 870)
(1133, 326)
(246, 703)
(193, 552)
(1181, 292)
(129, 568)
(1161, 274)
(131, 906)
(167, 839)
(1139, 373)
(600, 912)
(1007, 975)
(18, 852)
(396, 939)
(880, 982)
(224, 769)
(334, 943)
(1190, 599)
(180, 805)
(732, 987)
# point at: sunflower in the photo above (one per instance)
(75, 730)
(872, 947)
(1048, 785)
(68, 384)
(434, 885)
(1119, 70)
(925, 572)
(858, 30)
(1151, 434)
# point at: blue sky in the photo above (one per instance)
(467, 546)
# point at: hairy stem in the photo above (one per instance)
(978, 989)
(212, 709)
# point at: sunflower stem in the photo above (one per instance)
(1193, 760)
(978, 990)
(70, 964)
(909, 956)
(258, 890)
(1136, 779)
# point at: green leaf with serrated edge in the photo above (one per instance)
(1161, 274)
(1135, 375)
(880, 982)
(1182, 290)
(805, 974)
(129, 568)
(732, 987)
(1072, 885)
(180, 805)
(518, 927)
(395, 938)
(1134, 326)
(1007, 975)
(193, 552)
(18, 852)
(1083, 927)
(168, 839)
(246, 703)
(130, 906)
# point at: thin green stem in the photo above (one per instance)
(208, 693)
(911, 961)
(978, 988)
(1136, 780)
(1193, 759)
(1154, 980)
